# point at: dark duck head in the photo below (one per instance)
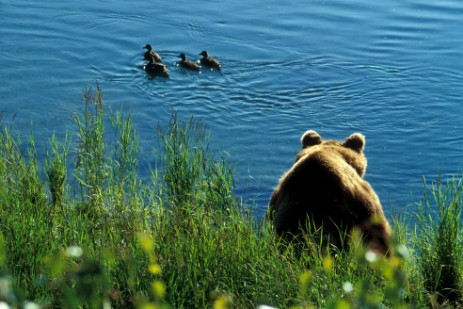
(154, 68)
(187, 64)
(208, 61)
(150, 53)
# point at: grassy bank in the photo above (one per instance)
(88, 232)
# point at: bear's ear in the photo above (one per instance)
(355, 142)
(310, 138)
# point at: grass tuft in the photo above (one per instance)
(439, 240)
(82, 230)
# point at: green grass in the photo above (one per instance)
(83, 230)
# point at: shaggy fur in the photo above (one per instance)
(326, 186)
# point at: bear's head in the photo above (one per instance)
(351, 149)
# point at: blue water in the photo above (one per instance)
(392, 71)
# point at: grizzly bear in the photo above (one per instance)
(325, 189)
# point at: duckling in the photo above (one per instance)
(154, 68)
(187, 64)
(208, 61)
(151, 53)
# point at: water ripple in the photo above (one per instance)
(391, 70)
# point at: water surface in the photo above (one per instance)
(392, 71)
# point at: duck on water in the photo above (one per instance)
(208, 61)
(187, 64)
(154, 68)
(150, 53)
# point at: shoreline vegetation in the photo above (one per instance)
(91, 234)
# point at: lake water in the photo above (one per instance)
(392, 71)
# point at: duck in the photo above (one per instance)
(208, 61)
(154, 68)
(187, 64)
(151, 53)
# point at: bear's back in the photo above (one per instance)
(317, 186)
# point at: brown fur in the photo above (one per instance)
(326, 185)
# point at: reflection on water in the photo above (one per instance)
(391, 71)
